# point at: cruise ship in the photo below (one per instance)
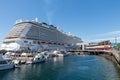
(33, 35)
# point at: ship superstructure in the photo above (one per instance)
(35, 35)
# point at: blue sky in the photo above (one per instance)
(91, 20)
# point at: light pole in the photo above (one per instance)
(115, 40)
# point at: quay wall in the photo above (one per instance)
(111, 58)
(116, 55)
(112, 55)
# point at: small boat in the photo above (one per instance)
(4, 64)
(61, 53)
(37, 59)
(16, 62)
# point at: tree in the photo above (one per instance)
(118, 45)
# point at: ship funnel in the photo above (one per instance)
(36, 19)
(18, 21)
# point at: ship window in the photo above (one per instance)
(25, 41)
(9, 42)
(34, 42)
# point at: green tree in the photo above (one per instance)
(118, 45)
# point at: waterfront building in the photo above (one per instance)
(103, 45)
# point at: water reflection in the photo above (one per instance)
(56, 59)
(68, 68)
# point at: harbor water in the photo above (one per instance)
(67, 68)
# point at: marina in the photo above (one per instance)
(68, 68)
(60, 40)
(28, 54)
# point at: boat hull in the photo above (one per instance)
(6, 66)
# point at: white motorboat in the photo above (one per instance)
(37, 59)
(62, 54)
(4, 64)
(16, 62)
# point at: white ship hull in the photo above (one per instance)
(32, 35)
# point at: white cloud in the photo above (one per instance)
(111, 39)
(106, 36)
(102, 39)
(50, 16)
(49, 11)
(113, 33)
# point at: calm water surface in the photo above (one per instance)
(68, 68)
